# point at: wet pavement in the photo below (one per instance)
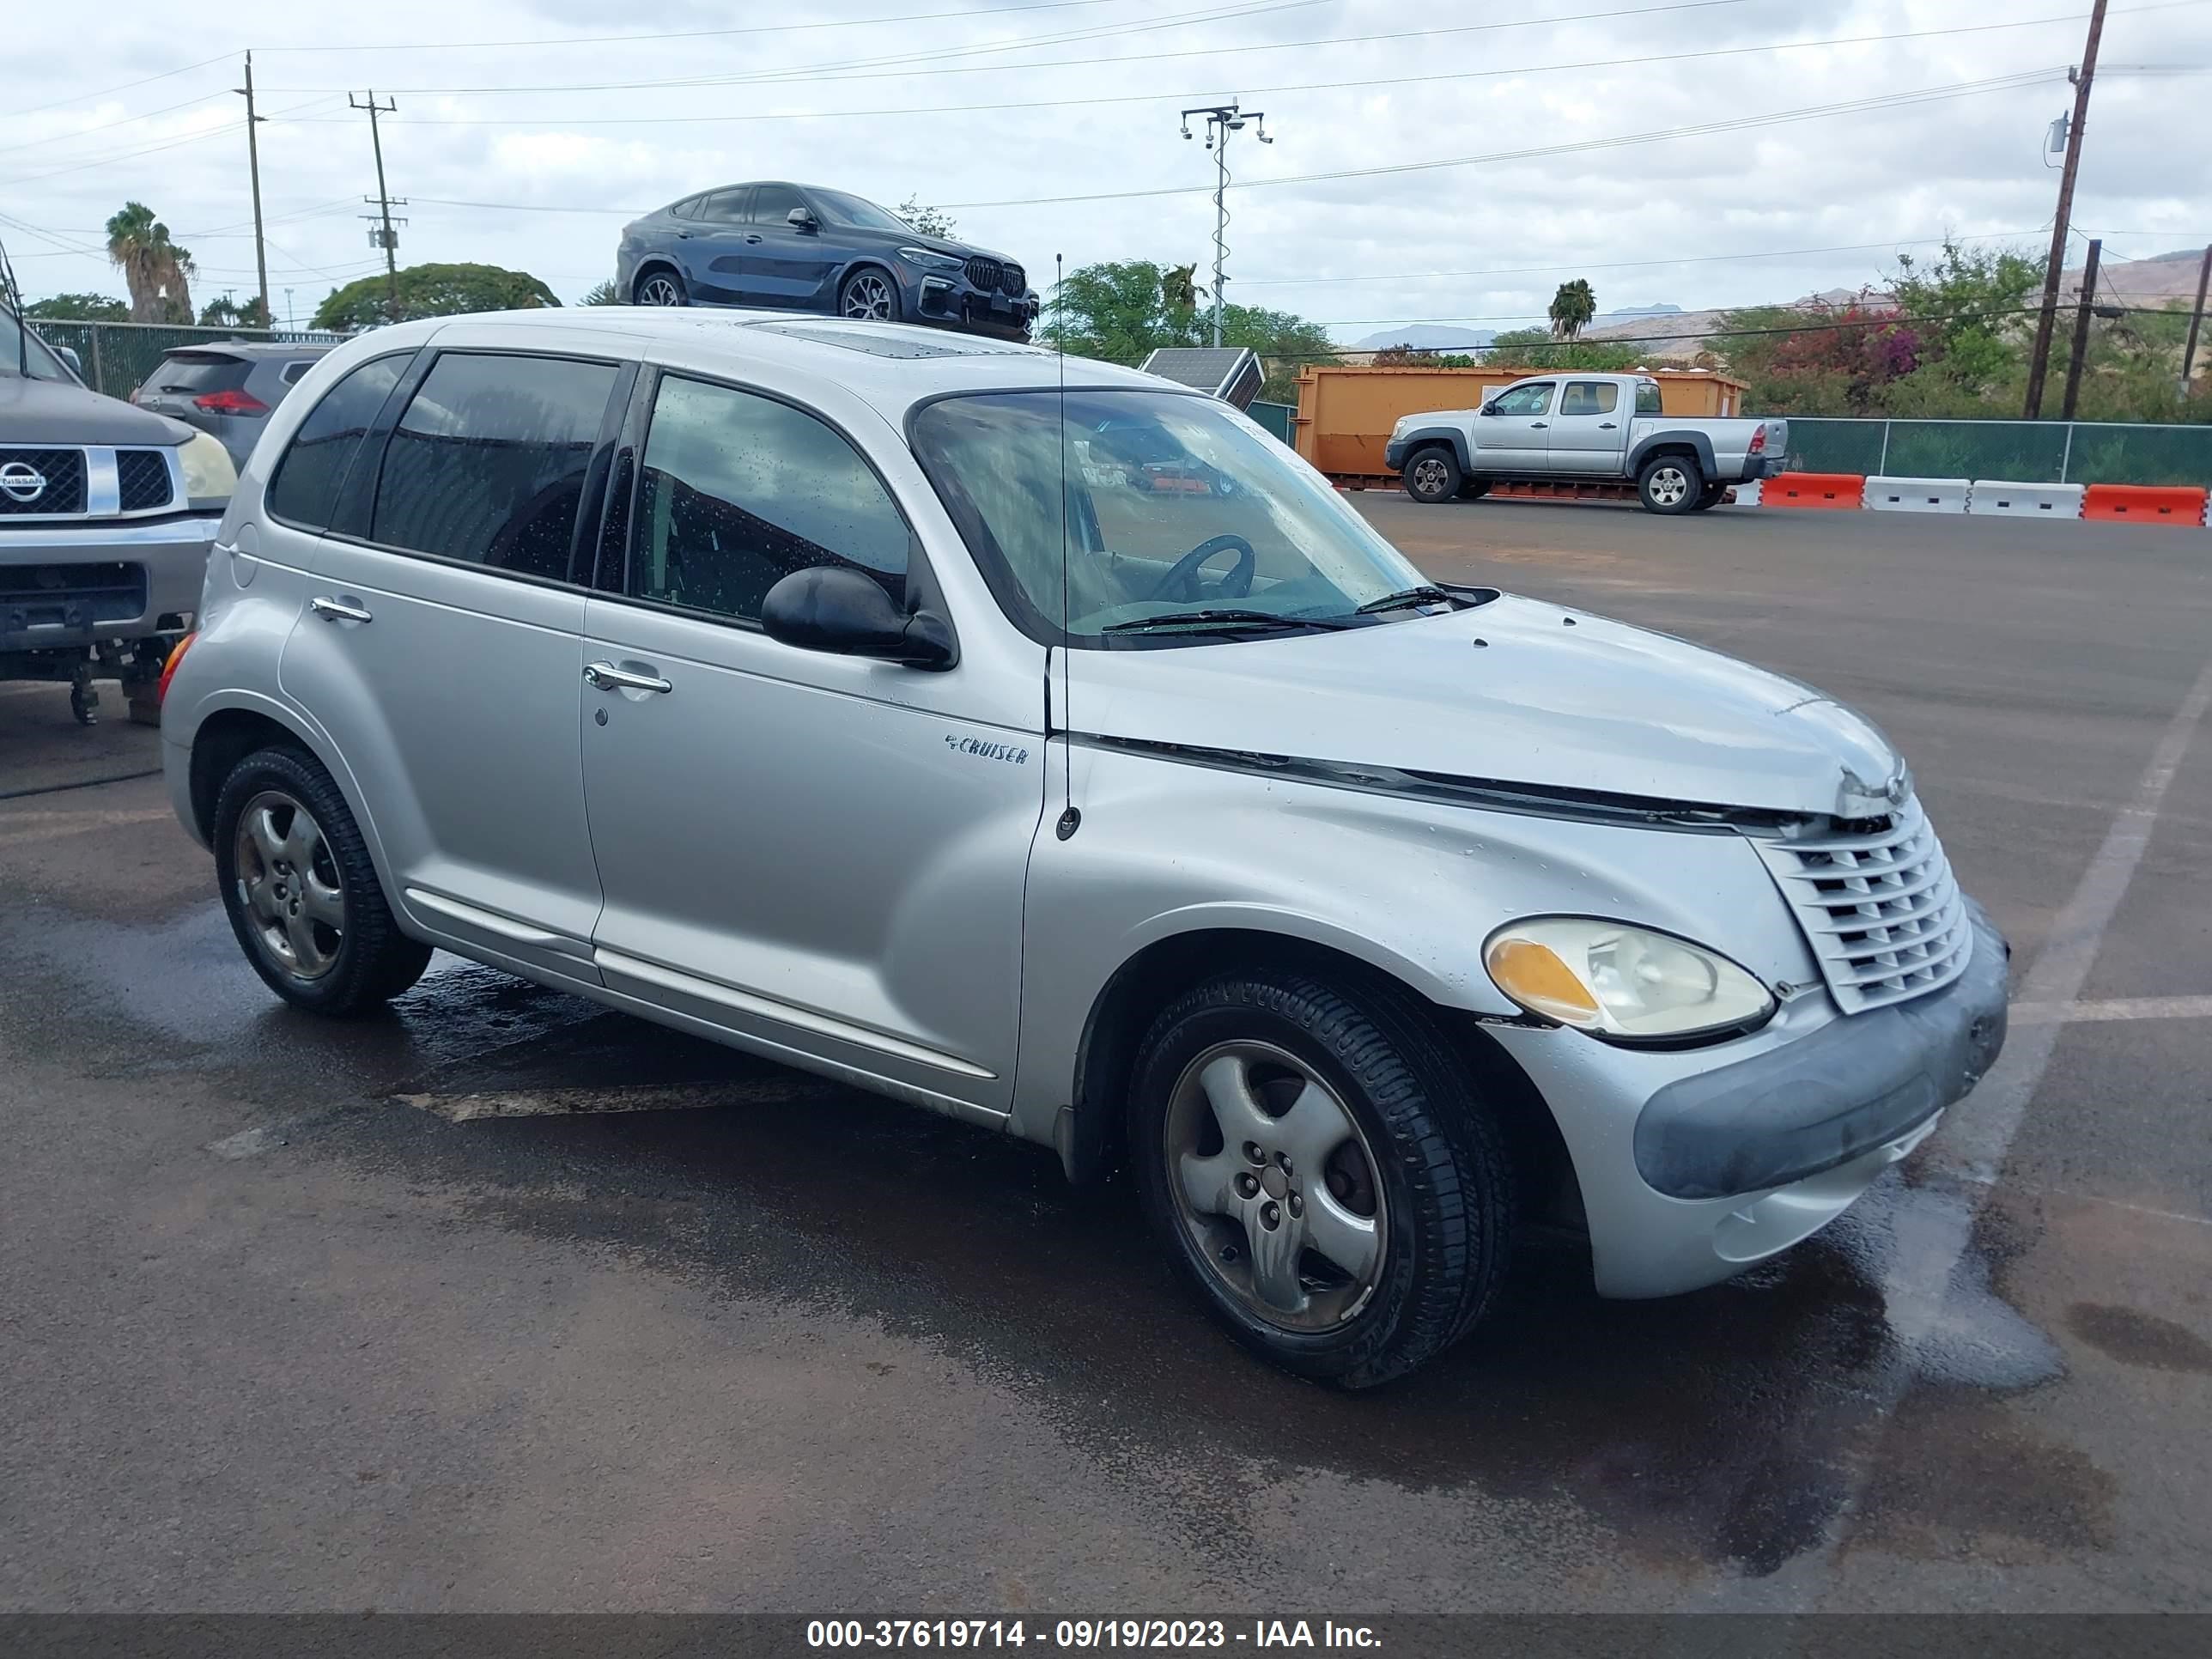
(503, 1301)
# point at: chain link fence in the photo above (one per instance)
(2019, 451)
(117, 357)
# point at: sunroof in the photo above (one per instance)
(877, 344)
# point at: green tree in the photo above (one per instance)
(1124, 311)
(929, 221)
(606, 293)
(1535, 349)
(433, 291)
(79, 308)
(227, 312)
(154, 268)
(1572, 308)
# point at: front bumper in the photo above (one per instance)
(951, 300)
(68, 586)
(1394, 454)
(1694, 1164)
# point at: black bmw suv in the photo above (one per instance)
(800, 247)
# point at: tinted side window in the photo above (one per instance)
(488, 462)
(738, 491)
(772, 203)
(293, 373)
(306, 487)
(725, 207)
(1590, 397)
(1525, 399)
(1647, 398)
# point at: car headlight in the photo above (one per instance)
(1611, 979)
(208, 474)
(929, 261)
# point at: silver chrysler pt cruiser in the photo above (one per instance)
(1035, 741)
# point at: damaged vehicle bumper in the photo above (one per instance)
(1691, 1170)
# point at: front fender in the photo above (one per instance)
(1419, 437)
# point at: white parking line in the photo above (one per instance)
(2070, 1013)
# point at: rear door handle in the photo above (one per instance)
(1537, 426)
(752, 239)
(606, 677)
(331, 610)
(1607, 426)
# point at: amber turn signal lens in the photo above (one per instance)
(1534, 976)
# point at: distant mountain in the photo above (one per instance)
(1427, 337)
(1634, 314)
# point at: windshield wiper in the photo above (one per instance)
(1411, 595)
(1220, 619)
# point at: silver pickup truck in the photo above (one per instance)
(1607, 427)
(107, 514)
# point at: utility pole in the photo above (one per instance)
(1221, 120)
(2196, 319)
(2082, 74)
(288, 308)
(253, 169)
(384, 236)
(2082, 329)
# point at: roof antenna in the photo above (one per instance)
(1069, 817)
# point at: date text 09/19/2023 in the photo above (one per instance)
(1086, 1633)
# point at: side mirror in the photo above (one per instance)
(67, 354)
(1490, 408)
(838, 608)
(800, 218)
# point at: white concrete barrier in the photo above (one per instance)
(1915, 495)
(1747, 495)
(2007, 499)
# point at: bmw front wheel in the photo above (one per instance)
(869, 293)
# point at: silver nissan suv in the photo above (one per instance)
(830, 688)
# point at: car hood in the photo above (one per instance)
(52, 412)
(940, 245)
(1515, 692)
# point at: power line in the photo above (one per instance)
(123, 121)
(1306, 86)
(866, 69)
(200, 136)
(702, 35)
(91, 97)
(1735, 124)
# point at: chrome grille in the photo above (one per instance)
(1878, 904)
(141, 479)
(53, 479)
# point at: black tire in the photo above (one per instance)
(657, 279)
(1473, 490)
(1670, 484)
(1432, 474)
(1708, 498)
(1446, 1205)
(372, 961)
(884, 283)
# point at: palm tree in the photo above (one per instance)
(1572, 308)
(1179, 288)
(154, 268)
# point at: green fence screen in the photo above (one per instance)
(1276, 417)
(2019, 451)
(117, 357)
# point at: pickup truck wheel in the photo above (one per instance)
(1433, 475)
(1473, 490)
(1710, 497)
(1670, 484)
(1321, 1171)
(301, 891)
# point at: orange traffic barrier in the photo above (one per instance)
(1844, 490)
(2148, 503)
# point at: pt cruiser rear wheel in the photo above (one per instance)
(1319, 1170)
(301, 892)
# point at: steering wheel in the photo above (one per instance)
(1181, 582)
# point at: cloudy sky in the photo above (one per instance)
(1444, 163)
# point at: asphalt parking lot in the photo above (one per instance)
(508, 1302)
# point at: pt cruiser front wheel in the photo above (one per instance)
(1319, 1168)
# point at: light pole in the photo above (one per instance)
(1221, 120)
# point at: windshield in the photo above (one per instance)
(44, 366)
(1177, 508)
(852, 210)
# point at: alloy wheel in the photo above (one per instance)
(659, 289)
(1430, 476)
(1667, 486)
(1276, 1186)
(289, 884)
(868, 295)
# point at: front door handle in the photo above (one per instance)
(331, 610)
(752, 239)
(607, 678)
(1607, 426)
(1537, 426)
